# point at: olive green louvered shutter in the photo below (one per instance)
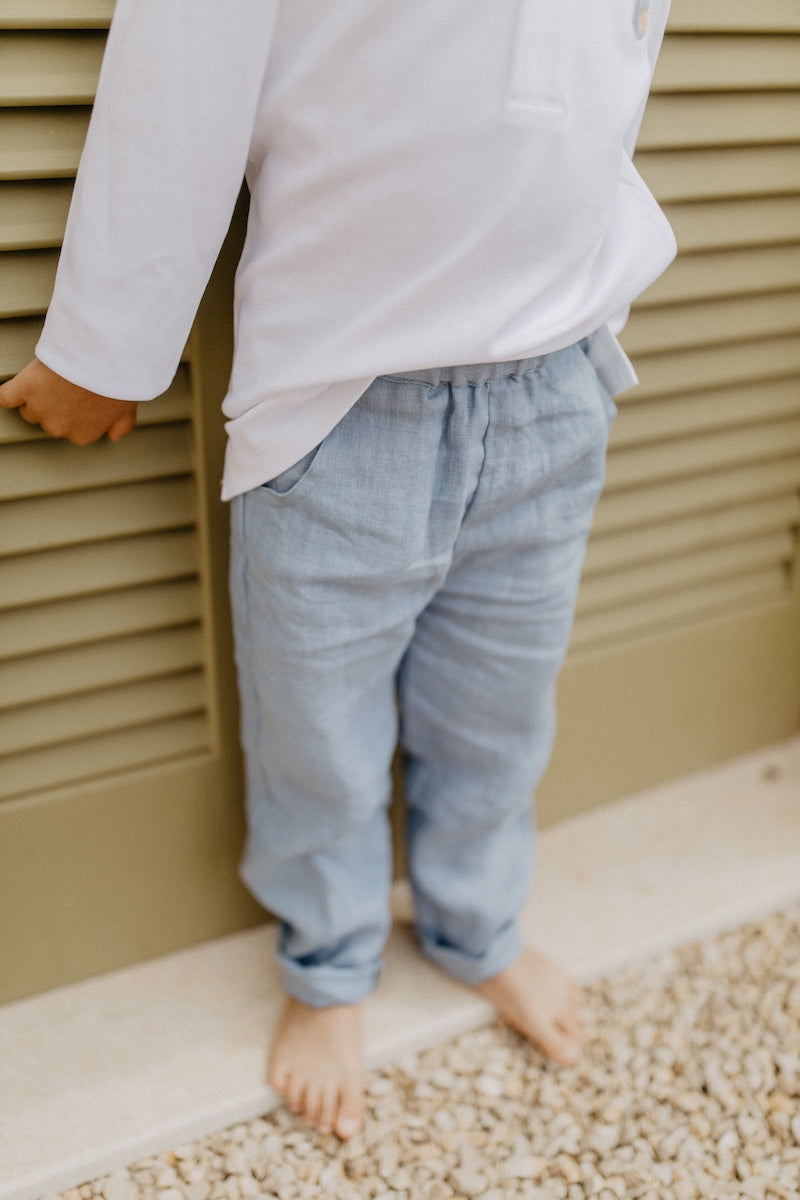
(687, 644)
(119, 776)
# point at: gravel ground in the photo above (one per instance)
(689, 1087)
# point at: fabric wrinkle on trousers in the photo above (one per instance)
(414, 577)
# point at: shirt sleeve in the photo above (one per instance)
(163, 165)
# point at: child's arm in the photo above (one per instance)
(163, 164)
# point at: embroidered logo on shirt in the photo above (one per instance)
(640, 14)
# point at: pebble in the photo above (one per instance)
(466, 1117)
(569, 1169)
(166, 1177)
(603, 1138)
(489, 1085)
(523, 1166)
(444, 1119)
(200, 1190)
(119, 1186)
(468, 1183)
(793, 1002)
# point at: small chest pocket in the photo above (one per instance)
(562, 50)
(537, 83)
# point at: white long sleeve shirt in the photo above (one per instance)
(433, 182)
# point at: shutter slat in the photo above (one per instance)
(674, 416)
(100, 665)
(708, 367)
(699, 530)
(55, 721)
(106, 566)
(723, 120)
(719, 63)
(87, 619)
(48, 467)
(55, 14)
(690, 457)
(665, 576)
(83, 759)
(743, 16)
(711, 321)
(691, 174)
(17, 343)
(656, 501)
(726, 273)
(33, 215)
(37, 144)
(45, 68)
(595, 630)
(48, 522)
(26, 282)
(710, 225)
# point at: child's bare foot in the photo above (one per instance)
(539, 1000)
(317, 1066)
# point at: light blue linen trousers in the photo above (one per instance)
(412, 579)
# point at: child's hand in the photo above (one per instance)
(64, 410)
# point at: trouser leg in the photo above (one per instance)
(477, 683)
(318, 748)
(331, 564)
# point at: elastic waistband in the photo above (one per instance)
(464, 376)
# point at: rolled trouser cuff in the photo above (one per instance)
(323, 985)
(473, 969)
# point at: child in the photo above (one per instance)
(432, 183)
